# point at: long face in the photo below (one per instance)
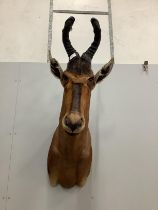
(76, 101)
(78, 80)
(77, 91)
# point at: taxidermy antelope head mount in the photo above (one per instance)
(70, 153)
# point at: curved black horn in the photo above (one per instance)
(88, 55)
(65, 36)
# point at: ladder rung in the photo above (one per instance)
(81, 12)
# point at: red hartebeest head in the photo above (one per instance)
(78, 80)
(70, 153)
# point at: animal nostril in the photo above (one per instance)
(73, 125)
(67, 121)
(78, 123)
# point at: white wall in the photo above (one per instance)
(123, 123)
(135, 25)
(24, 30)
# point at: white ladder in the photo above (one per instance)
(109, 13)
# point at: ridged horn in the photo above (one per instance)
(88, 55)
(65, 36)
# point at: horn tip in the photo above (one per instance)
(95, 24)
(68, 23)
(71, 18)
(94, 20)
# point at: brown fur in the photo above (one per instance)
(70, 155)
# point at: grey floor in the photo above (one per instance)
(123, 123)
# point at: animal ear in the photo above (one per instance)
(104, 72)
(55, 67)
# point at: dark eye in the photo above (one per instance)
(91, 79)
(91, 82)
(65, 79)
